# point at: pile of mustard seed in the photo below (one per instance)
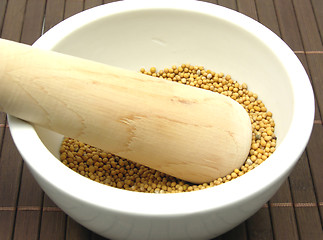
(115, 171)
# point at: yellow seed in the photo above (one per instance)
(255, 146)
(234, 175)
(91, 169)
(267, 138)
(269, 132)
(263, 142)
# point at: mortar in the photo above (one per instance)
(134, 34)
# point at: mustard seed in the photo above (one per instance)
(114, 171)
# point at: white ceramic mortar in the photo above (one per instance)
(134, 34)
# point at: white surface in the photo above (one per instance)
(134, 34)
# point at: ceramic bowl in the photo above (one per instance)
(134, 34)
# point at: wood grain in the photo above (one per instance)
(92, 3)
(97, 237)
(315, 153)
(232, 4)
(237, 233)
(54, 14)
(307, 25)
(248, 7)
(53, 221)
(29, 207)
(3, 7)
(33, 21)
(315, 62)
(26, 225)
(312, 74)
(6, 224)
(72, 7)
(288, 24)
(10, 159)
(308, 218)
(317, 6)
(267, 15)
(75, 231)
(283, 218)
(120, 111)
(13, 21)
(259, 225)
(10, 176)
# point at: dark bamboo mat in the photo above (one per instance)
(295, 212)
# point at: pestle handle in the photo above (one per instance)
(189, 133)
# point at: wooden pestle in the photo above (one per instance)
(190, 133)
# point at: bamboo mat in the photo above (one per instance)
(295, 212)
